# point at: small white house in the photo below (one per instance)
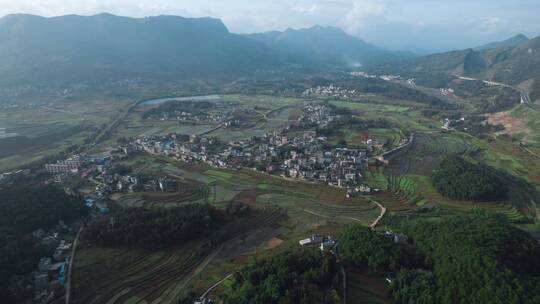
(314, 239)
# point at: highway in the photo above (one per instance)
(526, 99)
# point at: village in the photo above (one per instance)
(330, 91)
(297, 152)
(294, 152)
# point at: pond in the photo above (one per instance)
(188, 98)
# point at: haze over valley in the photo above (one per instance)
(365, 151)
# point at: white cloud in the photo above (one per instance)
(362, 13)
(389, 23)
(309, 9)
(490, 24)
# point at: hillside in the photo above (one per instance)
(328, 46)
(510, 42)
(104, 47)
(515, 65)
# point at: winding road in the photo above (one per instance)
(525, 97)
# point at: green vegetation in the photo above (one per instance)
(23, 211)
(457, 178)
(531, 119)
(476, 258)
(296, 276)
(27, 209)
(154, 228)
(48, 130)
(363, 247)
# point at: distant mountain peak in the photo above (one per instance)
(510, 42)
(105, 47)
(326, 45)
(520, 36)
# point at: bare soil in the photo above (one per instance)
(512, 125)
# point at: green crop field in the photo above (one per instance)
(304, 202)
(48, 129)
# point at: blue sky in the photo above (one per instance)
(420, 25)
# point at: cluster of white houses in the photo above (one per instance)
(331, 91)
(305, 155)
(70, 165)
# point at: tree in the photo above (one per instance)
(155, 228)
(476, 258)
(457, 178)
(363, 247)
(342, 143)
(293, 276)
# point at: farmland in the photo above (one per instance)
(408, 183)
(405, 180)
(272, 114)
(127, 276)
(42, 130)
(261, 190)
(283, 210)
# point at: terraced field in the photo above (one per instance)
(401, 196)
(375, 177)
(133, 276)
(409, 183)
(105, 275)
(426, 152)
(185, 195)
(365, 289)
(300, 207)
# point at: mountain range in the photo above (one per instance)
(80, 48)
(106, 47)
(515, 61)
(513, 41)
(330, 47)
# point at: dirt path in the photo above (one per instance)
(209, 290)
(315, 213)
(378, 219)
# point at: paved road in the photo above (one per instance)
(71, 266)
(403, 146)
(526, 99)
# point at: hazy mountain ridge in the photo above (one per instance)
(513, 65)
(105, 46)
(513, 41)
(329, 46)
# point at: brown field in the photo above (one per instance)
(122, 275)
(363, 288)
(512, 125)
